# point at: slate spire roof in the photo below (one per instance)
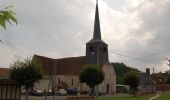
(97, 33)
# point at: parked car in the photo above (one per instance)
(72, 91)
(61, 92)
(36, 93)
(49, 93)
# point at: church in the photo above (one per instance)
(65, 72)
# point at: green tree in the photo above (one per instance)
(26, 73)
(7, 15)
(132, 79)
(92, 75)
(121, 70)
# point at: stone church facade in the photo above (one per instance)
(65, 72)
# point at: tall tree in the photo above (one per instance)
(26, 73)
(92, 75)
(132, 79)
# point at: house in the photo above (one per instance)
(9, 89)
(161, 80)
(147, 84)
(65, 72)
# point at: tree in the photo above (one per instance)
(121, 70)
(7, 15)
(26, 73)
(132, 80)
(92, 75)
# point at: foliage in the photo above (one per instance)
(26, 72)
(132, 79)
(121, 70)
(92, 75)
(7, 15)
(165, 96)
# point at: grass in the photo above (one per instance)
(146, 97)
(165, 96)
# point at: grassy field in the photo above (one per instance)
(165, 96)
(123, 98)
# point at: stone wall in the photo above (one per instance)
(72, 81)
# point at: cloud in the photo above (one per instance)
(60, 28)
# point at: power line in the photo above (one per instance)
(135, 58)
(132, 51)
(138, 52)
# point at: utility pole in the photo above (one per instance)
(97, 87)
(52, 80)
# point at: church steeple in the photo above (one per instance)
(97, 33)
(96, 48)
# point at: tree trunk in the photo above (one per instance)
(26, 94)
(92, 90)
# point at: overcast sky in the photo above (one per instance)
(137, 31)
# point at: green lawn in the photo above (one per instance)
(165, 96)
(123, 98)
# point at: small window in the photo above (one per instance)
(105, 49)
(91, 48)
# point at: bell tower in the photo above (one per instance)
(96, 48)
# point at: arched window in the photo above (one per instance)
(105, 49)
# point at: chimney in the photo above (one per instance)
(148, 71)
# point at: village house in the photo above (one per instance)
(147, 84)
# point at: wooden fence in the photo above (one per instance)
(9, 90)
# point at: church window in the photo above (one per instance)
(91, 48)
(105, 49)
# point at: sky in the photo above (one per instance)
(137, 31)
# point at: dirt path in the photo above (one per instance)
(154, 97)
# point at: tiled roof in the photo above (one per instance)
(64, 66)
(4, 72)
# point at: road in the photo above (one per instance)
(43, 97)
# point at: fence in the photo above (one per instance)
(9, 90)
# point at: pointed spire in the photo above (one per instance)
(97, 33)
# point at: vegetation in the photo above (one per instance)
(7, 15)
(92, 75)
(26, 73)
(121, 70)
(132, 80)
(165, 96)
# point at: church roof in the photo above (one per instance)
(4, 72)
(64, 66)
(97, 33)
